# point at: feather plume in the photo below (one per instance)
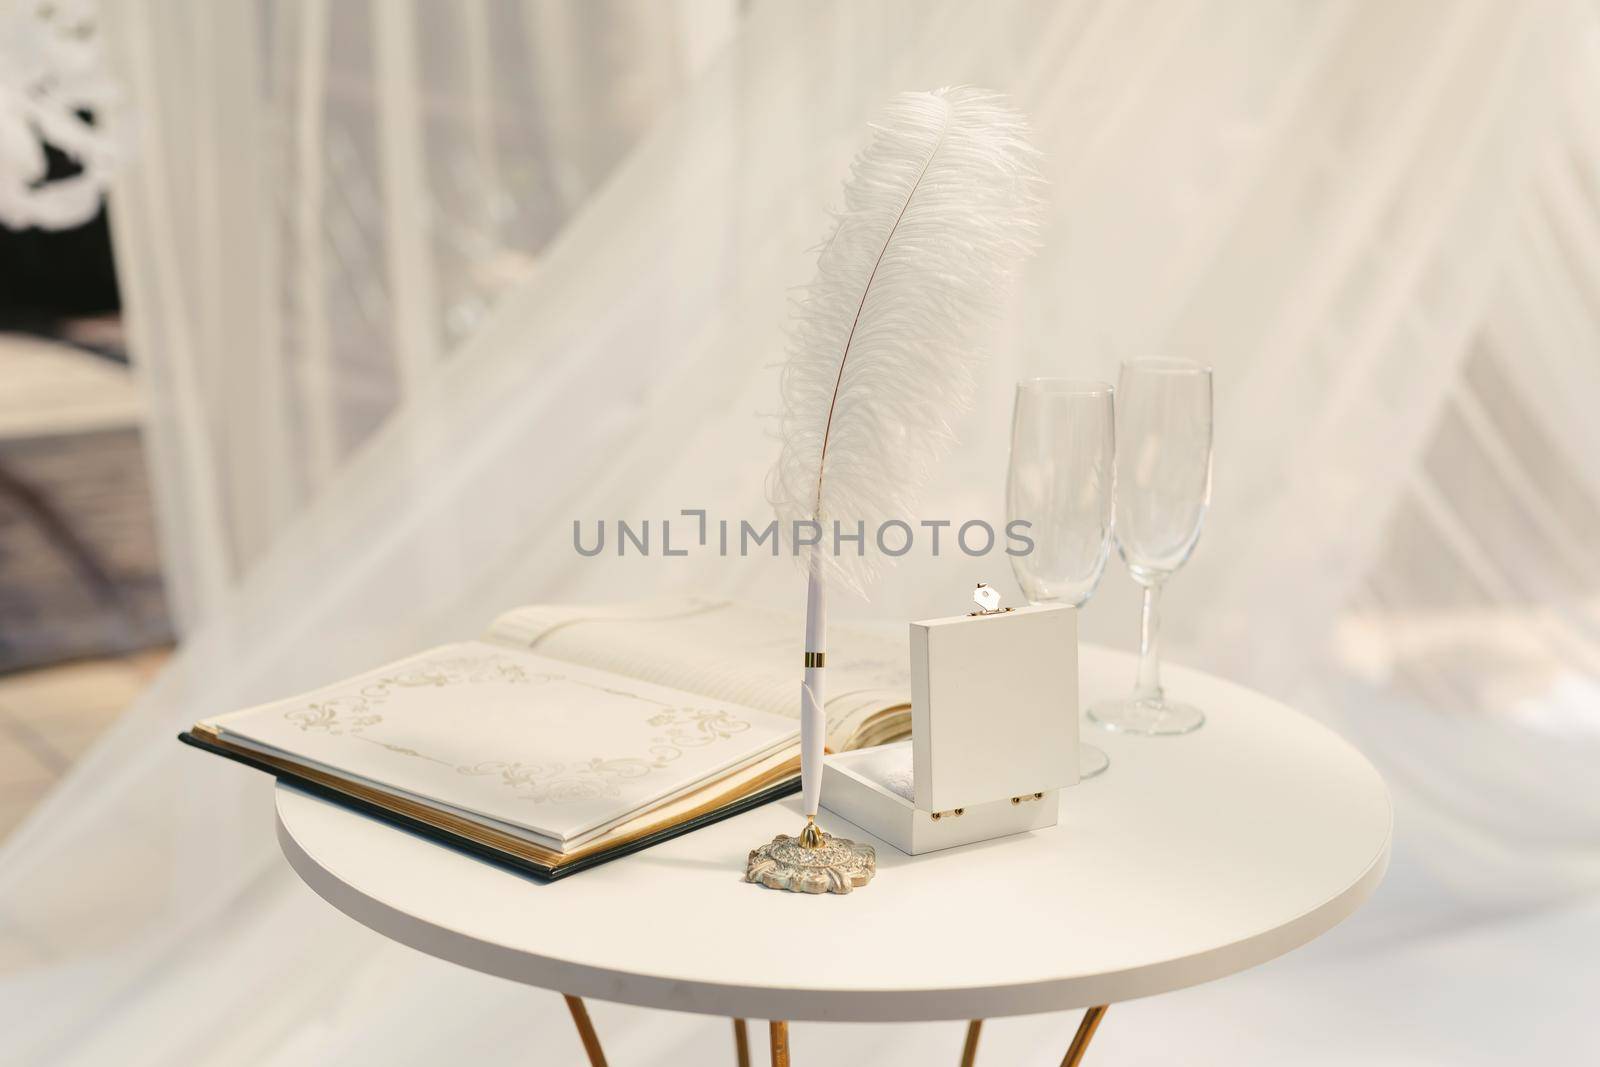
(940, 210)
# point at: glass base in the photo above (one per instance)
(1132, 715)
(1092, 762)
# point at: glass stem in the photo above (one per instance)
(1148, 687)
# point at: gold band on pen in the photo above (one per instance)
(816, 659)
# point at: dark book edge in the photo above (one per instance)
(540, 871)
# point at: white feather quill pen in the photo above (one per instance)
(940, 210)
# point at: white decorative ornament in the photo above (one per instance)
(53, 90)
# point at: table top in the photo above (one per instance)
(1191, 858)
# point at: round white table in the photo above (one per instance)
(1192, 858)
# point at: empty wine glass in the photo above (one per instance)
(1163, 488)
(1061, 482)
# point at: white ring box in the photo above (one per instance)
(994, 734)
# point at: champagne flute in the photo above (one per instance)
(1061, 481)
(1163, 488)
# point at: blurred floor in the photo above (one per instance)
(49, 717)
(80, 574)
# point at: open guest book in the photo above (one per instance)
(569, 735)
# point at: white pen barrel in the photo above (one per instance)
(813, 719)
(813, 728)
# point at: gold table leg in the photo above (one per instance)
(591, 1040)
(969, 1051)
(1080, 1040)
(779, 1034)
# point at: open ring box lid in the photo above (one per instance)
(994, 734)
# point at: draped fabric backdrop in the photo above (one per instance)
(413, 287)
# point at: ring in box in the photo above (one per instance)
(994, 734)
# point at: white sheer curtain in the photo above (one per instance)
(1377, 221)
(327, 200)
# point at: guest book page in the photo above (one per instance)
(731, 651)
(552, 750)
